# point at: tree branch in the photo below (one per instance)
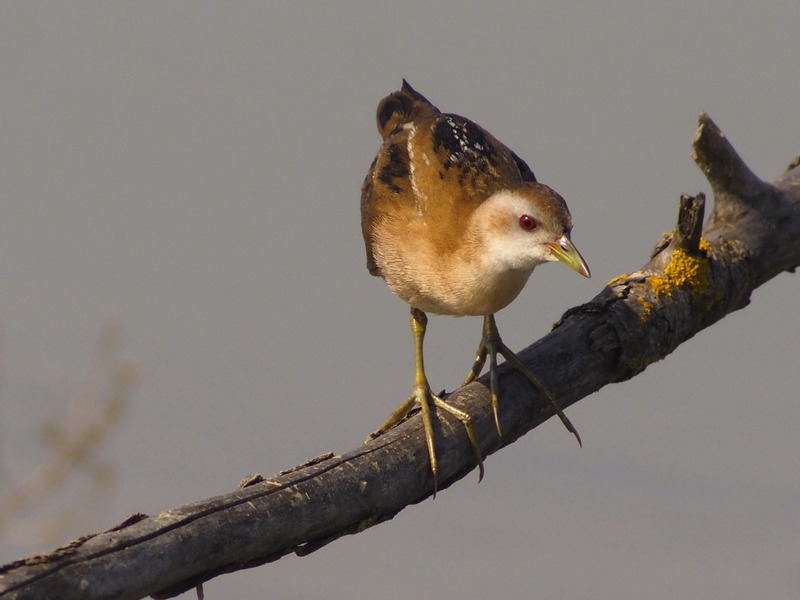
(695, 277)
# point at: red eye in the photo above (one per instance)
(527, 222)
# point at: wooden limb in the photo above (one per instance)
(694, 278)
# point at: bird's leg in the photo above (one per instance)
(422, 390)
(419, 322)
(423, 396)
(492, 343)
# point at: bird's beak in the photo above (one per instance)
(565, 251)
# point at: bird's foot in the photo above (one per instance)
(514, 360)
(397, 417)
(427, 401)
(469, 427)
(491, 345)
(488, 346)
(477, 366)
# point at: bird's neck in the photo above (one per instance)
(485, 280)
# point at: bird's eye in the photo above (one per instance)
(527, 222)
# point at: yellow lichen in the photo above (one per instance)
(683, 270)
(705, 246)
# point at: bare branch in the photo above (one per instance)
(695, 277)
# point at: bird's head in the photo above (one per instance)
(525, 226)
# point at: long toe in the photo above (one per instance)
(514, 360)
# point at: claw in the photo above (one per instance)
(492, 344)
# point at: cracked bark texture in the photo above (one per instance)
(695, 276)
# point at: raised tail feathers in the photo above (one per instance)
(404, 106)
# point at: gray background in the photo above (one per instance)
(191, 171)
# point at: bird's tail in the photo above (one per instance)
(401, 107)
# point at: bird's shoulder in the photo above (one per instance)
(459, 155)
(442, 158)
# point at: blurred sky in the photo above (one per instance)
(191, 172)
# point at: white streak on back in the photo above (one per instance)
(418, 195)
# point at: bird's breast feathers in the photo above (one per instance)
(455, 277)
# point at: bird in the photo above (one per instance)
(455, 223)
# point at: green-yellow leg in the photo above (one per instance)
(423, 396)
(491, 344)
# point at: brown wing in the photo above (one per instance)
(387, 184)
(439, 165)
(524, 169)
(467, 157)
(386, 188)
